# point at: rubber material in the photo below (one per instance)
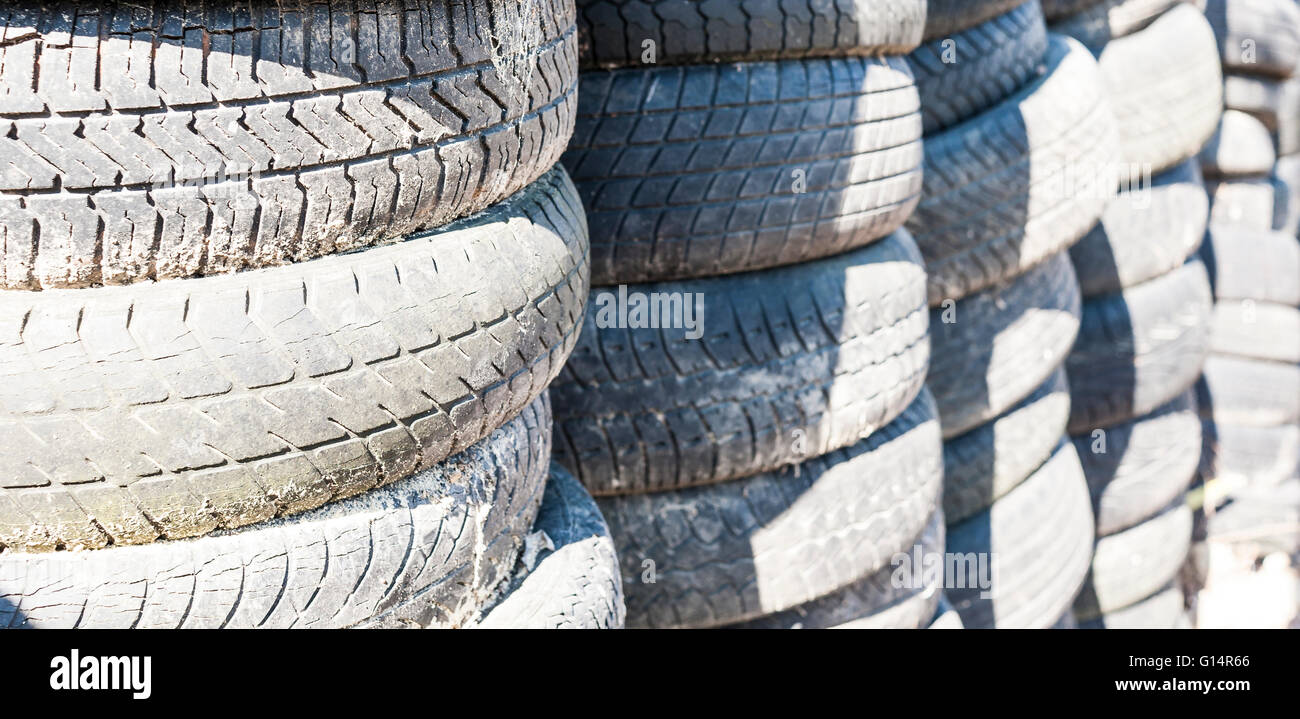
(1276, 103)
(1133, 564)
(1104, 20)
(1162, 610)
(1241, 146)
(1259, 37)
(1259, 330)
(1248, 204)
(1243, 391)
(945, 17)
(1250, 457)
(1251, 265)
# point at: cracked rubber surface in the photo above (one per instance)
(176, 408)
(1005, 341)
(987, 462)
(151, 142)
(735, 551)
(574, 585)
(712, 169)
(1146, 464)
(427, 550)
(1008, 188)
(1135, 563)
(1038, 538)
(1144, 232)
(1272, 27)
(791, 363)
(1139, 348)
(613, 33)
(961, 76)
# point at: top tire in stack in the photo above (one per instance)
(746, 397)
(284, 286)
(1146, 309)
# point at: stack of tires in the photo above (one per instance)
(1147, 306)
(1019, 154)
(1250, 392)
(746, 399)
(284, 286)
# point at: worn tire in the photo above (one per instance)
(573, 581)
(1004, 342)
(176, 408)
(985, 463)
(984, 216)
(1166, 89)
(1259, 330)
(1286, 195)
(1250, 457)
(1267, 517)
(1251, 265)
(151, 142)
(1143, 234)
(1276, 103)
(946, 17)
(612, 32)
(735, 551)
(1101, 21)
(790, 363)
(961, 76)
(945, 617)
(1272, 27)
(426, 551)
(1241, 146)
(1039, 537)
(1148, 462)
(1139, 349)
(1162, 610)
(1136, 562)
(896, 596)
(1244, 391)
(1248, 204)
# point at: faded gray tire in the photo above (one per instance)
(572, 582)
(1286, 195)
(164, 143)
(896, 596)
(1244, 391)
(990, 350)
(614, 33)
(1162, 610)
(1135, 563)
(1267, 517)
(1276, 103)
(961, 76)
(1250, 457)
(1166, 90)
(945, 17)
(945, 617)
(789, 363)
(1260, 330)
(713, 169)
(426, 551)
(985, 463)
(1096, 22)
(984, 216)
(738, 550)
(173, 409)
(1244, 203)
(1271, 27)
(1146, 464)
(1038, 541)
(1252, 265)
(1139, 349)
(1143, 234)
(1240, 146)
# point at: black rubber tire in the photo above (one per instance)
(173, 409)
(1248, 204)
(1166, 90)
(614, 32)
(1252, 265)
(572, 582)
(1245, 457)
(1039, 536)
(1135, 563)
(1241, 146)
(1147, 463)
(1139, 349)
(713, 169)
(1259, 330)
(1144, 233)
(1271, 27)
(961, 76)
(1101, 21)
(984, 216)
(897, 596)
(946, 17)
(151, 142)
(1243, 391)
(1276, 103)
(1162, 610)
(426, 551)
(1004, 342)
(736, 551)
(791, 363)
(985, 463)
